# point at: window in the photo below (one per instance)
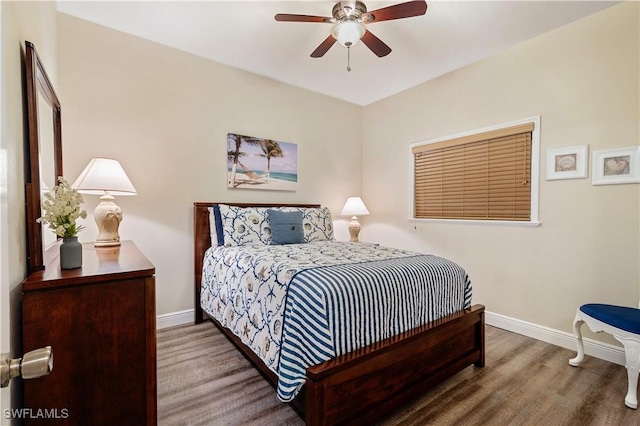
(485, 175)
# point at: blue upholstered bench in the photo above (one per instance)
(624, 324)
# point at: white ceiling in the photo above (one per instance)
(245, 35)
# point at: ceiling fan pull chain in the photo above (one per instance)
(349, 58)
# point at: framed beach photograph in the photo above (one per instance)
(259, 163)
(567, 163)
(616, 166)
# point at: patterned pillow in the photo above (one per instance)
(250, 225)
(244, 225)
(318, 224)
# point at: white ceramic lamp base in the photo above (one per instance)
(108, 217)
(354, 229)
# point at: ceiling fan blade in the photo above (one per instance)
(288, 17)
(397, 11)
(376, 45)
(324, 47)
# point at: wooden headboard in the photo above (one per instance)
(202, 240)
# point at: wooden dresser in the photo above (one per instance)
(100, 321)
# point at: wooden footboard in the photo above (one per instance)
(363, 386)
(366, 385)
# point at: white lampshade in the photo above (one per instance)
(104, 175)
(348, 33)
(354, 207)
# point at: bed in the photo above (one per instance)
(365, 380)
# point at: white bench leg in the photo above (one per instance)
(577, 323)
(632, 355)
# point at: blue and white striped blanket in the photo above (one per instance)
(299, 305)
(334, 310)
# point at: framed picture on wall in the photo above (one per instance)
(616, 166)
(260, 163)
(567, 163)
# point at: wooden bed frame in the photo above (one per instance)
(363, 386)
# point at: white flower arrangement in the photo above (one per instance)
(61, 209)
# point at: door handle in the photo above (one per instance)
(36, 363)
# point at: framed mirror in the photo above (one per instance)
(44, 163)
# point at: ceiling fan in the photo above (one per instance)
(350, 19)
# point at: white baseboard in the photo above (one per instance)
(592, 347)
(174, 318)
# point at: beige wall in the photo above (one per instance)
(582, 80)
(164, 114)
(36, 22)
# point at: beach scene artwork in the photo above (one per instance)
(258, 163)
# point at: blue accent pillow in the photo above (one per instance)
(286, 227)
(218, 223)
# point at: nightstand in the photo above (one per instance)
(101, 323)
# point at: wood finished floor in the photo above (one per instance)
(204, 380)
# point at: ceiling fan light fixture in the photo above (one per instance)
(348, 33)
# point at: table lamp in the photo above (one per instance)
(105, 177)
(354, 207)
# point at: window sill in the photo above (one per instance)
(532, 224)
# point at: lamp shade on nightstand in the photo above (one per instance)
(105, 177)
(354, 207)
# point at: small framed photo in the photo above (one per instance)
(615, 166)
(567, 163)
